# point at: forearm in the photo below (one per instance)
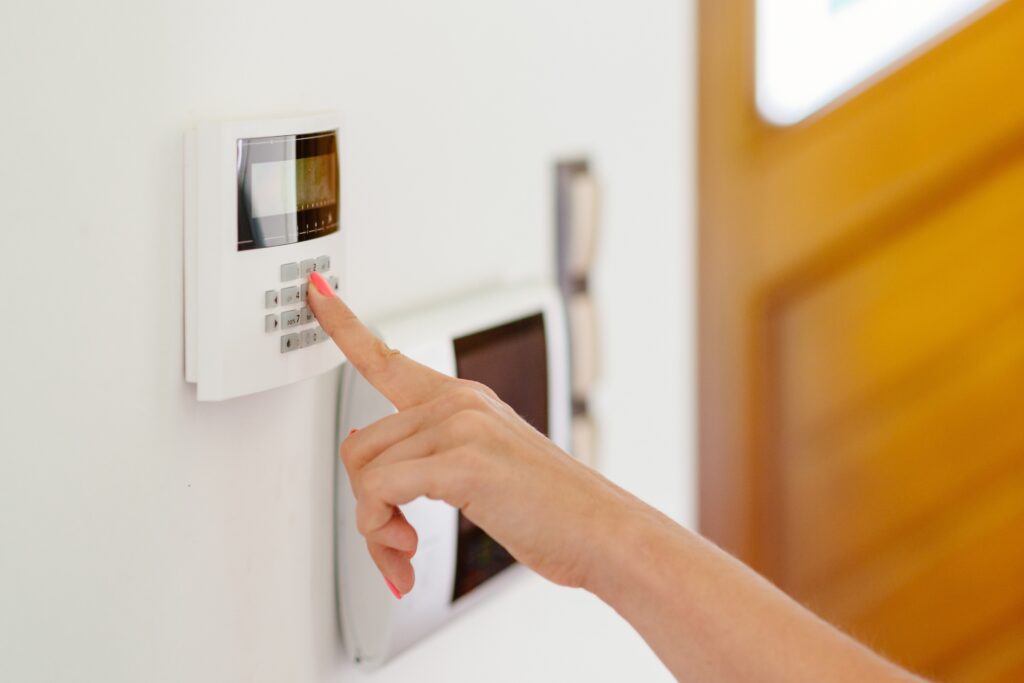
(710, 618)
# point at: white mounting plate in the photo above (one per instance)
(376, 626)
(227, 351)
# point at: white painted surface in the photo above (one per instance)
(146, 536)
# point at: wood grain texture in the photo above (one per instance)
(862, 343)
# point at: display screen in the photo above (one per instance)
(511, 360)
(287, 189)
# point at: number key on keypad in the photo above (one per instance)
(289, 272)
(290, 342)
(291, 319)
(289, 296)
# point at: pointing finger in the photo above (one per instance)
(402, 380)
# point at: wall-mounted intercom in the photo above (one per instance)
(262, 211)
(515, 342)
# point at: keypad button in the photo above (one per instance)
(291, 319)
(307, 315)
(289, 272)
(334, 282)
(272, 299)
(308, 266)
(314, 335)
(271, 323)
(323, 264)
(290, 342)
(303, 292)
(289, 296)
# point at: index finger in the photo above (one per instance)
(402, 380)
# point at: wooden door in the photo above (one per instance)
(862, 343)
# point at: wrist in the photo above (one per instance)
(630, 542)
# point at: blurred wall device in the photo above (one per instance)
(262, 210)
(515, 342)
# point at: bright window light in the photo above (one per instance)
(809, 52)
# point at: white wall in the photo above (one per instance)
(144, 536)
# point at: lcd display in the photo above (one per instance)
(287, 189)
(511, 360)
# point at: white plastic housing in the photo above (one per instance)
(228, 353)
(376, 626)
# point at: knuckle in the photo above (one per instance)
(482, 391)
(371, 484)
(434, 489)
(363, 525)
(380, 359)
(348, 452)
(470, 395)
(466, 424)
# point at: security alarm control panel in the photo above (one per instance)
(514, 341)
(262, 211)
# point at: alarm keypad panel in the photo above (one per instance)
(262, 212)
(293, 294)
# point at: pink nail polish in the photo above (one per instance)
(353, 431)
(321, 284)
(394, 591)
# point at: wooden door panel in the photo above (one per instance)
(906, 141)
(899, 382)
(876, 481)
(862, 343)
(902, 600)
(999, 659)
(918, 295)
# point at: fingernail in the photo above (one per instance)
(394, 591)
(321, 284)
(353, 431)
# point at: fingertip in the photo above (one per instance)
(395, 567)
(320, 285)
(405, 578)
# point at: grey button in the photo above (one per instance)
(307, 315)
(333, 280)
(314, 335)
(308, 266)
(290, 342)
(272, 299)
(291, 319)
(289, 272)
(289, 296)
(271, 323)
(303, 291)
(323, 264)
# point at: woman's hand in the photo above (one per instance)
(705, 614)
(456, 441)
